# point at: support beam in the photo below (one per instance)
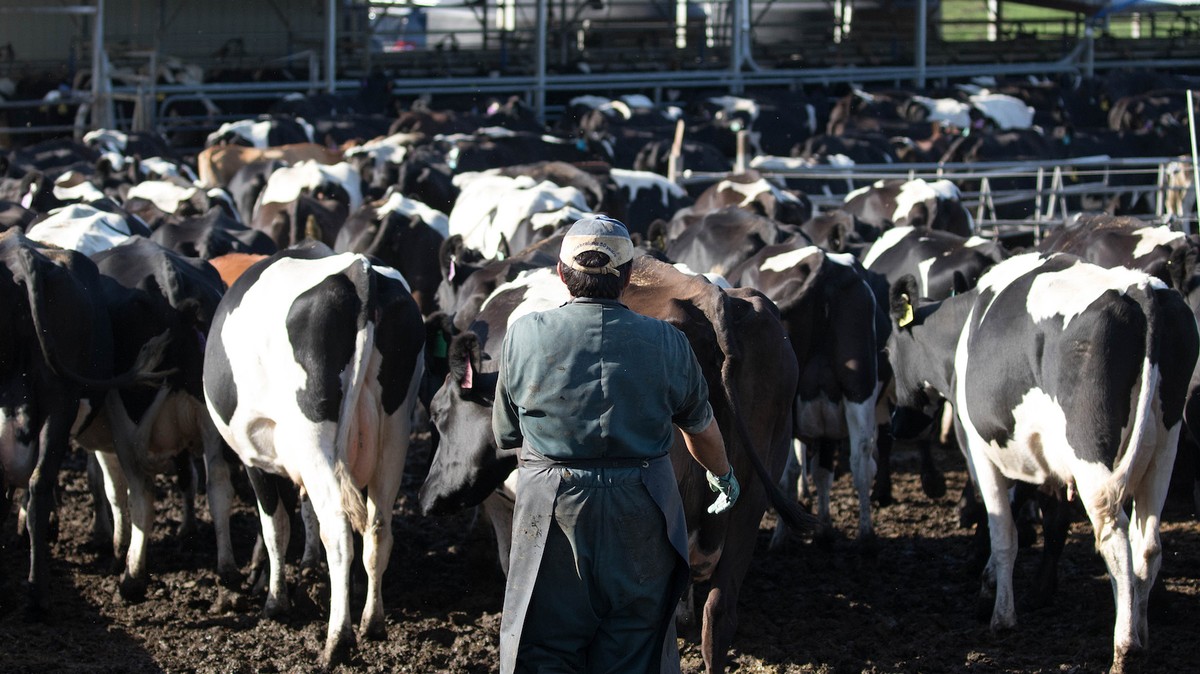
(102, 112)
(920, 43)
(330, 46)
(539, 100)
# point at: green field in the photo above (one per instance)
(967, 20)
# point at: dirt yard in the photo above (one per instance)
(906, 606)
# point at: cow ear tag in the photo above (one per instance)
(439, 345)
(907, 318)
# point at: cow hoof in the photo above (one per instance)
(277, 609)
(375, 629)
(933, 484)
(825, 536)
(230, 579)
(37, 610)
(132, 590)
(336, 649)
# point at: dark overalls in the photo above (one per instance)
(590, 392)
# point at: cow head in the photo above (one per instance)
(461, 412)
(914, 399)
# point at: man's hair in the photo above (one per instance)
(597, 286)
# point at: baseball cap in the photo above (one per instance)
(599, 233)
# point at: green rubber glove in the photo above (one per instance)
(728, 489)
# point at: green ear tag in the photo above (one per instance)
(439, 346)
(907, 317)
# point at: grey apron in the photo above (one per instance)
(538, 481)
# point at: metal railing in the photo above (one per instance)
(1047, 187)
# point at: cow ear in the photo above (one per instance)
(463, 356)
(960, 284)
(903, 298)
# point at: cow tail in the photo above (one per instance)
(141, 373)
(1139, 447)
(353, 501)
(787, 509)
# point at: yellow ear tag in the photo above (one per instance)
(907, 317)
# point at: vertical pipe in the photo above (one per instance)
(922, 27)
(101, 99)
(1195, 155)
(330, 45)
(540, 40)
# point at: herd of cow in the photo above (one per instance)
(306, 304)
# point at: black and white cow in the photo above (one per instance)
(141, 431)
(212, 235)
(500, 215)
(751, 397)
(719, 240)
(86, 228)
(1062, 373)
(836, 331)
(897, 203)
(56, 363)
(403, 234)
(1115, 240)
(311, 374)
(935, 257)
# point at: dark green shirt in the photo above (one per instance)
(592, 379)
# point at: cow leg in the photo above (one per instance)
(102, 514)
(186, 479)
(323, 489)
(53, 438)
(116, 493)
(884, 441)
(135, 579)
(823, 481)
(1111, 527)
(993, 487)
(860, 419)
(793, 476)
(1149, 496)
(311, 558)
(720, 608)
(276, 529)
(377, 539)
(1056, 522)
(219, 490)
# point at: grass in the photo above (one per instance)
(964, 20)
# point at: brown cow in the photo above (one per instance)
(217, 165)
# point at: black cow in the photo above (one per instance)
(1062, 373)
(719, 240)
(403, 234)
(141, 431)
(57, 351)
(211, 235)
(836, 330)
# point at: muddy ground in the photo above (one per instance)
(906, 606)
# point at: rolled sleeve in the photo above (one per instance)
(693, 413)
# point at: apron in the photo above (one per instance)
(538, 480)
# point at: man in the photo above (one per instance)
(589, 392)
